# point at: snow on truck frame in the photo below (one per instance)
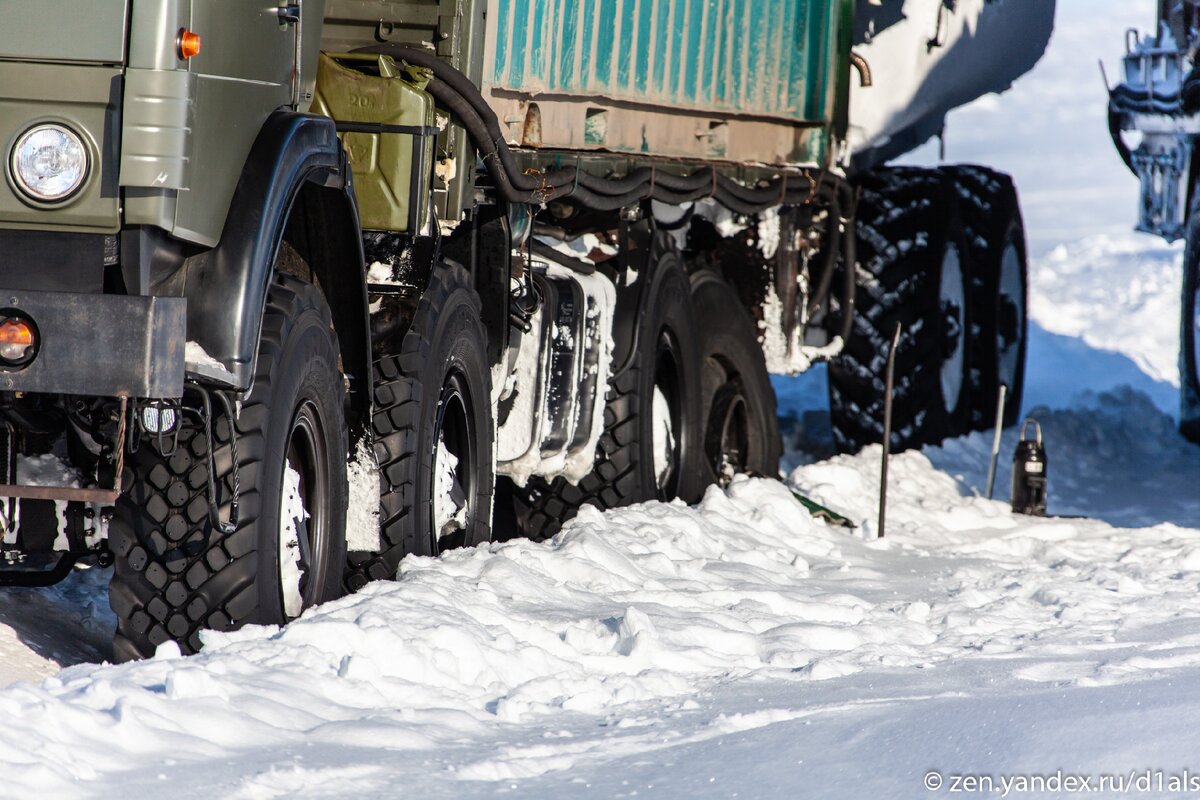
(291, 292)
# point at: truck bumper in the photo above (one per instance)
(100, 345)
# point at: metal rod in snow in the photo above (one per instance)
(889, 387)
(991, 483)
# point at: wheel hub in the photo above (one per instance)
(727, 437)
(952, 307)
(453, 480)
(665, 422)
(303, 512)
(1010, 322)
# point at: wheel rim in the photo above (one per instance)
(452, 490)
(952, 312)
(1010, 309)
(303, 513)
(727, 435)
(665, 413)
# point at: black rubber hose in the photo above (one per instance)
(460, 84)
(799, 190)
(1126, 99)
(604, 202)
(831, 251)
(459, 107)
(668, 187)
(457, 83)
(462, 98)
(603, 194)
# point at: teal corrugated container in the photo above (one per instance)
(764, 58)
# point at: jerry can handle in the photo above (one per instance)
(1025, 429)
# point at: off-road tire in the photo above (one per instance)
(175, 574)
(733, 379)
(623, 473)
(907, 218)
(992, 224)
(446, 337)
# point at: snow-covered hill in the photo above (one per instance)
(1115, 293)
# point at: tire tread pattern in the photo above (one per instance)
(899, 211)
(174, 575)
(396, 422)
(987, 201)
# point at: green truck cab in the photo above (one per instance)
(293, 290)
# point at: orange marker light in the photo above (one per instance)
(17, 339)
(189, 44)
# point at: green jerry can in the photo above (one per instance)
(387, 125)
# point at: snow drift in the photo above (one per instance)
(523, 662)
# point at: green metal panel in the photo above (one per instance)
(85, 99)
(766, 58)
(63, 30)
(454, 29)
(189, 125)
(243, 73)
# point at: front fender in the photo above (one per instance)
(226, 287)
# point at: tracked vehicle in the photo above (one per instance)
(294, 290)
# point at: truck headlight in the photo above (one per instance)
(49, 163)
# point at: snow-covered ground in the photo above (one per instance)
(739, 648)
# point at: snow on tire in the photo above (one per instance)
(741, 430)
(175, 572)
(665, 361)
(433, 432)
(912, 271)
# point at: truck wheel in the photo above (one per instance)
(737, 403)
(1189, 351)
(911, 249)
(175, 573)
(995, 236)
(649, 448)
(433, 432)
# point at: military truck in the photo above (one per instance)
(1154, 119)
(294, 290)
